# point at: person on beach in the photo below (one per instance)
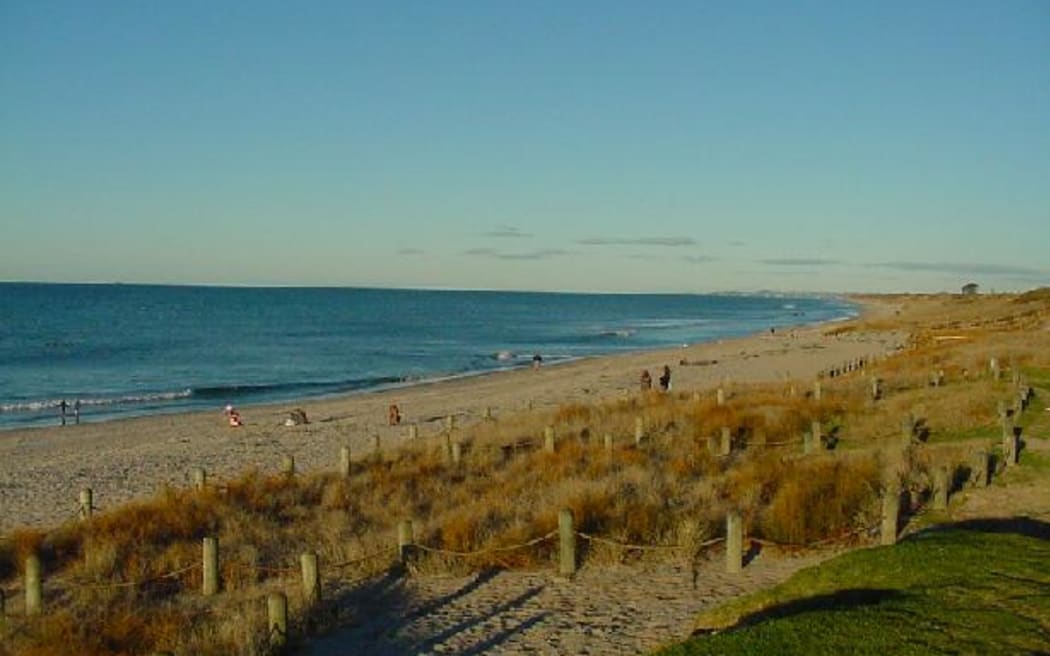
(537, 360)
(62, 407)
(665, 379)
(646, 380)
(394, 415)
(234, 419)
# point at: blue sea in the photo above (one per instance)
(123, 350)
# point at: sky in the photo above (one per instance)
(572, 146)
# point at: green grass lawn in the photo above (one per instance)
(974, 588)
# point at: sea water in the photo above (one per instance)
(123, 350)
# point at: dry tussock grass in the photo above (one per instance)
(668, 489)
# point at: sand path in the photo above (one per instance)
(603, 610)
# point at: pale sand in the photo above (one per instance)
(43, 469)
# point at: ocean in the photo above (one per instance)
(125, 350)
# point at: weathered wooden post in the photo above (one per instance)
(807, 443)
(311, 578)
(344, 461)
(696, 397)
(720, 397)
(548, 439)
(86, 503)
(639, 430)
(818, 434)
(941, 485)
(413, 432)
(34, 585)
(288, 465)
(734, 542)
(487, 413)
(1009, 441)
(608, 443)
(979, 469)
(450, 423)
(377, 447)
(277, 619)
(210, 566)
(405, 539)
(993, 366)
(940, 377)
(891, 508)
(566, 544)
(876, 389)
(457, 453)
(816, 390)
(726, 446)
(200, 478)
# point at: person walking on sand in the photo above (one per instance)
(665, 379)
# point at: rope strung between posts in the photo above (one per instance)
(69, 584)
(646, 547)
(480, 552)
(363, 559)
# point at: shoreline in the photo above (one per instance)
(51, 419)
(128, 458)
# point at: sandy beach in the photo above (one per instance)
(44, 468)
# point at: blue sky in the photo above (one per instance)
(823, 146)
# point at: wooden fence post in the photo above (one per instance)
(405, 539)
(200, 478)
(979, 469)
(377, 447)
(86, 503)
(993, 366)
(457, 453)
(487, 413)
(734, 542)
(818, 433)
(311, 578)
(450, 423)
(288, 465)
(1009, 442)
(210, 566)
(876, 391)
(817, 392)
(941, 485)
(34, 585)
(727, 441)
(608, 443)
(344, 461)
(807, 443)
(720, 397)
(907, 430)
(566, 544)
(548, 439)
(891, 508)
(277, 614)
(639, 430)
(413, 432)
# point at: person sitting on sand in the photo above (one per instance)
(394, 415)
(665, 379)
(646, 380)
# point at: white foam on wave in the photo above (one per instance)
(129, 399)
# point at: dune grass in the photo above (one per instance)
(977, 588)
(671, 488)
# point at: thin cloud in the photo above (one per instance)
(541, 254)
(411, 251)
(737, 243)
(506, 232)
(799, 261)
(698, 259)
(963, 269)
(672, 242)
